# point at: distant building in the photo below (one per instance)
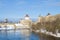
(50, 18)
(5, 20)
(40, 19)
(26, 21)
(27, 17)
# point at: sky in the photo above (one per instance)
(34, 8)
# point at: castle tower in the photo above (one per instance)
(40, 18)
(5, 20)
(49, 18)
(26, 21)
(27, 17)
(48, 14)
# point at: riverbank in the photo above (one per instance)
(44, 36)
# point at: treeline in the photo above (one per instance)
(49, 23)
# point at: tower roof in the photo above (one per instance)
(5, 20)
(26, 15)
(48, 14)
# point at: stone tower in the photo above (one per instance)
(5, 20)
(40, 18)
(48, 14)
(27, 17)
(26, 21)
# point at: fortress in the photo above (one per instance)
(26, 22)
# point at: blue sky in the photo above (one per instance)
(18, 8)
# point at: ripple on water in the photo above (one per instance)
(18, 35)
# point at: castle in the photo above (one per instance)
(47, 18)
(27, 22)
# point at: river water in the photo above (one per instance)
(18, 35)
(23, 35)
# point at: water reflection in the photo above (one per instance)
(18, 35)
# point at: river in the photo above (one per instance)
(23, 35)
(18, 35)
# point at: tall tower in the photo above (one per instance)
(40, 18)
(26, 21)
(27, 17)
(48, 14)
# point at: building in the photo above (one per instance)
(40, 19)
(49, 18)
(5, 20)
(26, 21)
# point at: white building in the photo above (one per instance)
(26, 21)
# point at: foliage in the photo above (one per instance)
(50, 25)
